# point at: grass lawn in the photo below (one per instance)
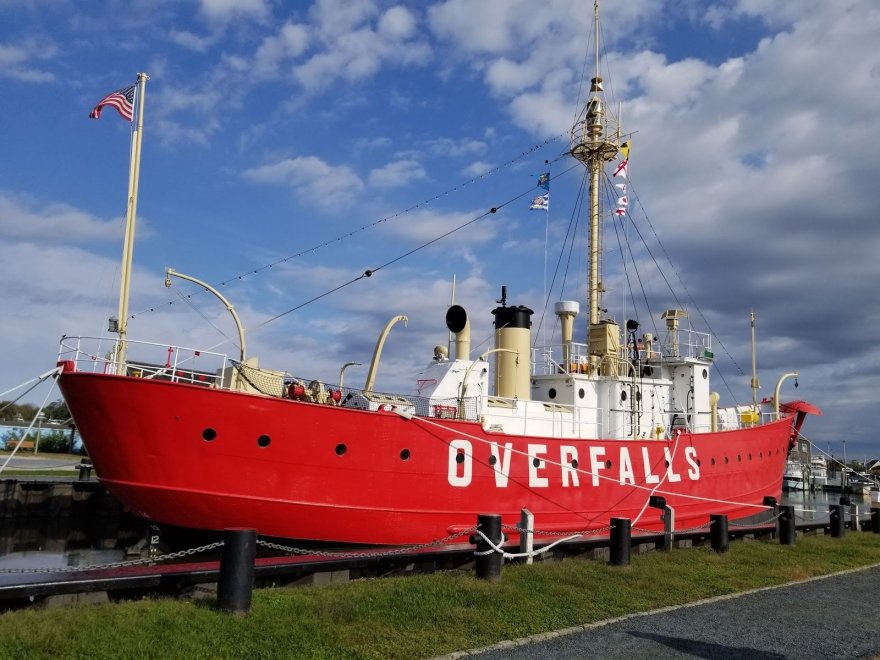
(422, 615)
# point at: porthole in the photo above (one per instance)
(574, 463)
(341, 449)
(552, 393)
(750, 457)
(581, 393)
(638, 395)
(608, 465)
(705, 374)
(623, 395)
(739, 458)
(699, 462)
(725, 460)
(264, 441)
(209, 434)
(536, 462)
(713, 461)
(459, 457)
(493, 459)
(404, 455)
(666, 463)
(760, 454)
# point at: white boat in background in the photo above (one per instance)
(818, 473)
(849, 482)
(859, 483)
(793, 478)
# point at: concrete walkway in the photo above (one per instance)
(835, 616)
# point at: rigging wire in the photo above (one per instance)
(672, 290)
(625, 246)
(369, 272)
(570, 234)
(693, 303)
(684, 287)
(342, 237)
(188, 300)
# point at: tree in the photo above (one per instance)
(24, 412)
(57, 411)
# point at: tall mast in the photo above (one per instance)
(130, 222)
(590, 145)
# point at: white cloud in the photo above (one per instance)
(477, 168)
(20, 220)
(397, 174)
(371, 143)
(341, 16)
(290, 42)
(425, 225)
(191, 40)
(356, 55)
(397, 23)
(223, 11)
(353, 40)
(16, 61)
(455, 148)
(314, 181)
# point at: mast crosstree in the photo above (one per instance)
(595, 141)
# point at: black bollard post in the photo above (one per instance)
(838, 526)
(236, 584)
(85, 470)
(718, 532)
(875, 521)
(787, 533)
(621, 541)
(488, 566)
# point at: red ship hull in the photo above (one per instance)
(213, 459)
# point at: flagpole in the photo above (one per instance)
(130, 222)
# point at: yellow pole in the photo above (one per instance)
(229, 308)
(130, 223)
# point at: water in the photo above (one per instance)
(41, 560)
(57, 542)
(61, 542)
(810, 507)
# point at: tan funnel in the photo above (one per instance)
(513, 368)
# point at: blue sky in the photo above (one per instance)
(272, 128)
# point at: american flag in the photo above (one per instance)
(121, 99)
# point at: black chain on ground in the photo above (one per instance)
(365, 554)
(542, 532)
(118, 564)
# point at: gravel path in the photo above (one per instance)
(836, 616)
